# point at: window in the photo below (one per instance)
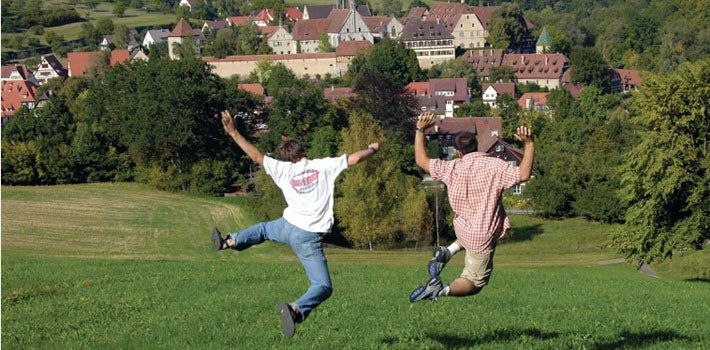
(517, 189)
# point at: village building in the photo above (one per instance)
(430, 41)
(155, 36)
(16, 94)
(182, 34)
(49, 67)
(491, 92)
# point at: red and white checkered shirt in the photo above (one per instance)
(475, 183)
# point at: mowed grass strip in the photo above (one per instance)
(69, 282)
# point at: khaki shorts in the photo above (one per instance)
(478, 268)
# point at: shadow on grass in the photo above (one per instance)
(523, 233)
(641, 339)
(500, 335)
(701, 280)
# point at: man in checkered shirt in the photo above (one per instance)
(475, 182)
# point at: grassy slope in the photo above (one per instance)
(107, 265)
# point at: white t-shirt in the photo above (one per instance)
(308, 188)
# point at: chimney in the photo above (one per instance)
(545, 59)
(522, 60)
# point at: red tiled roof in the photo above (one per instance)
(21, 69)
(15, 93)
(256, 89)
(459, 86)
(310, 29)
(574, 89)
(417, 88)
(376, 23)
(629, 76)
(268, 30)
(264, 15)
(483, 60)
(119, 56)
(351, 48)
(500, 88)
(539, 98)
(337, 19)
(276, 58)
(332, 93)
(294, 14)
(182, 29)
(238, 20)
(537, 66)
(80, 62)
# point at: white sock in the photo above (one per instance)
(444, 291)
(453, 248)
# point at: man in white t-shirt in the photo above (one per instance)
(307, 185)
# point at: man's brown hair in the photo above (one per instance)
(466, 142)
(291, 151)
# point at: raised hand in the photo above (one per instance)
(228, 122)
(524, 134)
(425, 120)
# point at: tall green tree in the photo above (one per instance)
(385, 99)
(590, 68)
(394, 59)
(372, 209)
(162, 113)
(665, 176)
(507, 28)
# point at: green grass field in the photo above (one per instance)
(124, 266)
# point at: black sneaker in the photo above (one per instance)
(288, 318)
(438, 261)
(429, 291)
(218, 240)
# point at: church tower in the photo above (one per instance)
(544, 42)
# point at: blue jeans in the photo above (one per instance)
(308, 247)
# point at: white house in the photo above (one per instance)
(155, 36)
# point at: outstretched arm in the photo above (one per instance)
(424, 121)
(524, 134)
(359, 156)
(242, 142)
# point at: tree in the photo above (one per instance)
(324, 45)
(378, 95)
(121, 36)
(507, 28)
(225, 43)
(456, 68)
(394, 59)
(104, 26)
(119, 9)
(665, 176)
(561, 43)
(392, 8)
(162, 113)
(502, 74)
(589, 68)
(248, 37)
(372, 208)
(474, 109)
(593, 106)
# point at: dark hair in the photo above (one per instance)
(466, 142)
(291, 151)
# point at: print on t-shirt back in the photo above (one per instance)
(305, 182)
